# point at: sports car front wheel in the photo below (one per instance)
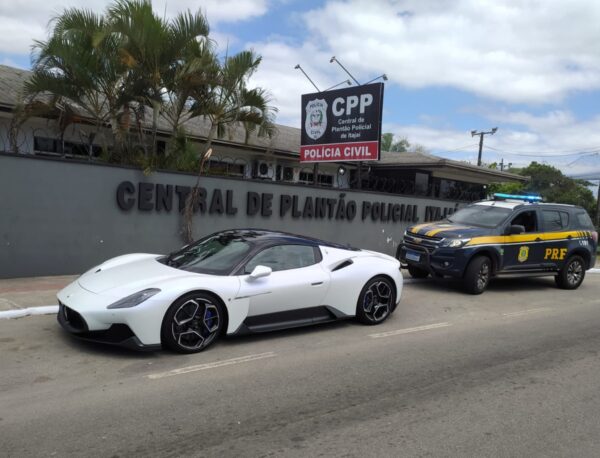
(376, 301)
(192, 323)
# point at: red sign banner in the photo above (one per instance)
(346, 152)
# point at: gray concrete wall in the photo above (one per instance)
(60, 217)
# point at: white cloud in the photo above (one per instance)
(516, 52)
(25, 21)
(556, 138)
(527, 51)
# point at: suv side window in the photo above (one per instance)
(527, 219)
(283, 257)
(584, 221)
(555, 220)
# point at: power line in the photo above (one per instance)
(544, 153)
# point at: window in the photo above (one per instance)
(526, 219)
(211, 255)
(584, 221)
(421, 183)
(283, 257)
(555, 220)
(480, 215)
(305, 177)
(326, 180)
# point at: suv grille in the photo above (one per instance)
(419, 242)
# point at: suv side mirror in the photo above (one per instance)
(515, 229)
(260, 271)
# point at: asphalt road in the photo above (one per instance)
(514, 372)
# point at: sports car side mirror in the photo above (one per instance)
(260, 271)
(515, 229)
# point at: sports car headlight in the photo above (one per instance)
(134, 299)
(454, 243)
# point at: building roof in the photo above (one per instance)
(286, 141)
(444, 168)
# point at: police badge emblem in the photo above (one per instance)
(316, 118)
(523, 253)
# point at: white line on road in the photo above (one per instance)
(526, 312)
(409, 330)
(19, 313)
(213, 365)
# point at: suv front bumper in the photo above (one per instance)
(440, 261)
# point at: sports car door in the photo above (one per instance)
(297, 281)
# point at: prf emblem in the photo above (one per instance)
(523, 253)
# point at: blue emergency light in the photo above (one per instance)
(501, 196)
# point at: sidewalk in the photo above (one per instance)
(21, 293)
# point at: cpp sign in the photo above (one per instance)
(350, 103)
(342, 120)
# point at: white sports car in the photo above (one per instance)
(231, 282)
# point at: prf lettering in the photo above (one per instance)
(555, 253)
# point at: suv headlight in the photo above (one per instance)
(454, 243)
(134, 299)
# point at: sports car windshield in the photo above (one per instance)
(216, 255)
(480, 215)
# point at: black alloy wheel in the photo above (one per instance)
(477, 275)
(376, 301)
(572, 274)
(192, 323)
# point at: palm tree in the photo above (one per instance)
(157, 51)
(78, 67)
(228, 105)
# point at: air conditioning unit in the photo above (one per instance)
(264, 170)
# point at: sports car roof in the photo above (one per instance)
(265, 236)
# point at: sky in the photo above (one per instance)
(531, 68)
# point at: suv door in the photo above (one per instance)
(524, 251)
(555, 222)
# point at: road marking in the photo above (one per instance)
(526, 312)
(409, 330)
(213, 365)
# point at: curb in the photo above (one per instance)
(53, 309)
(20, 313)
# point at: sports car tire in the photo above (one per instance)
(416, 272)
(477, 275)
(376, 301)
(572, 273)
(192, 323)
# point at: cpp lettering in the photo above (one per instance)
(351, 102)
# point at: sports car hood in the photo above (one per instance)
(447, 230)
(134, 272)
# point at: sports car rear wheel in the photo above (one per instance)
(376, 301)
(192, 323)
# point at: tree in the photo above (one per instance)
(552, 185)
(401, 146)
(78, 69)
(157, 52)
(230, 104)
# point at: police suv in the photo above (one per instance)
(511, 234)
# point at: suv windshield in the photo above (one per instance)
(212, 255)
(480, 215)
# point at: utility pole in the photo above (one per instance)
(598, 207)
(481, 134)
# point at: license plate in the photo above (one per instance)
(412, 256)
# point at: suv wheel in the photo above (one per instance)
(416, 272)
(572, 273)
(477, 276)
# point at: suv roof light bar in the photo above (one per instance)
(525, 198)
